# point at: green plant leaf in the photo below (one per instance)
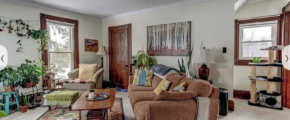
(3, 114)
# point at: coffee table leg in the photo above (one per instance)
(80, 115)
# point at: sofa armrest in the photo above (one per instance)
(73, 74)
(98, 78)
(165, 110)
(215, 92)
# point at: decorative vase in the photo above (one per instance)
(23, 108)
(203, 72)
(9, 89)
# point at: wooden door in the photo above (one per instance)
(120, 54)
(286, 73)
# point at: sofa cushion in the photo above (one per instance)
(142, 77)
(163, 85)
(87, 71)
(132, 88)
(138, 96)
(174, 79)
(203, 88)
(175, 95)
(155, 81)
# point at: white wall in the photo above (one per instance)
(248, 11)
(88, 28)
(212, 24)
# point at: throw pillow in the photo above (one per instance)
(143, 77)
(175, 95)
(87, 71)
(180, 87)
(163, 85)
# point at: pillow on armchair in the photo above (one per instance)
(87, 71)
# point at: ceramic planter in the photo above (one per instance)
(9, 89)
(24, 108)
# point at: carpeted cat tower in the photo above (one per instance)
(266, 98)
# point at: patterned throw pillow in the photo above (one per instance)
(180, 87)
(143, 77)
(163, 85)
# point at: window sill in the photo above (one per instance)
(246, 62)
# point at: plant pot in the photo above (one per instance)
(23, 108)
(9, 89)
(30, 84)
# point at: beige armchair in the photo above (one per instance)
(95, 83)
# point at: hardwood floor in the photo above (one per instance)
(242, 112)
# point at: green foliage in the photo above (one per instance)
(30, 72)
(181, 66)
(23, 101)
(22, 29)
(2, 113)
(144, 59)
(9, 76)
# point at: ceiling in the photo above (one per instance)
(103, 8)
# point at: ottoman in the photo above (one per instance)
(61, 98)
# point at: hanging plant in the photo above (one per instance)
(23, 29)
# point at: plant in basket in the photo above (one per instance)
(23, 101)
(31, 74)
(10, 78)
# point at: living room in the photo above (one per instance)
(157, 60)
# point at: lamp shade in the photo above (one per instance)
(205, 57)
(102, 51)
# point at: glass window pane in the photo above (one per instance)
(61, 62)
(257, 33)
(253, 49)
(60, 39)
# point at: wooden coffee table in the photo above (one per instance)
(83, 104)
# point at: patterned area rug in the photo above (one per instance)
(116, 113)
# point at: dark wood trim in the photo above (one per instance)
(242, 94)
(285, 88)
(43, 18)
(279, 20)
(129, 27)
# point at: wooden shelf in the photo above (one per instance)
(264, 78)
(266, 64)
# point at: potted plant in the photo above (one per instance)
(2, 113)
(10, 78)
(23, 101)
(181, 65)
(144, 59)
(30, 73)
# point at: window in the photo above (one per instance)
(62, 50)
(252, 35)
(60, 47)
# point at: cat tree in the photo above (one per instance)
(267, 98)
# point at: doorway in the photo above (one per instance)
(120, 47)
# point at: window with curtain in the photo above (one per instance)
(60, 48)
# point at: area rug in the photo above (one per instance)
(116, 113)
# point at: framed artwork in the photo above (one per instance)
(91, 45)
(172, 39)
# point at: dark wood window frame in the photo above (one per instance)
(43, 18)
(265, 19)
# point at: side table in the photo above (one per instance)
(6, 95)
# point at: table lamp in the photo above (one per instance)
(102, 51)
(204, 58)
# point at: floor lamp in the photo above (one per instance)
(102, 51)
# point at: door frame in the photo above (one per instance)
(129, 35)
